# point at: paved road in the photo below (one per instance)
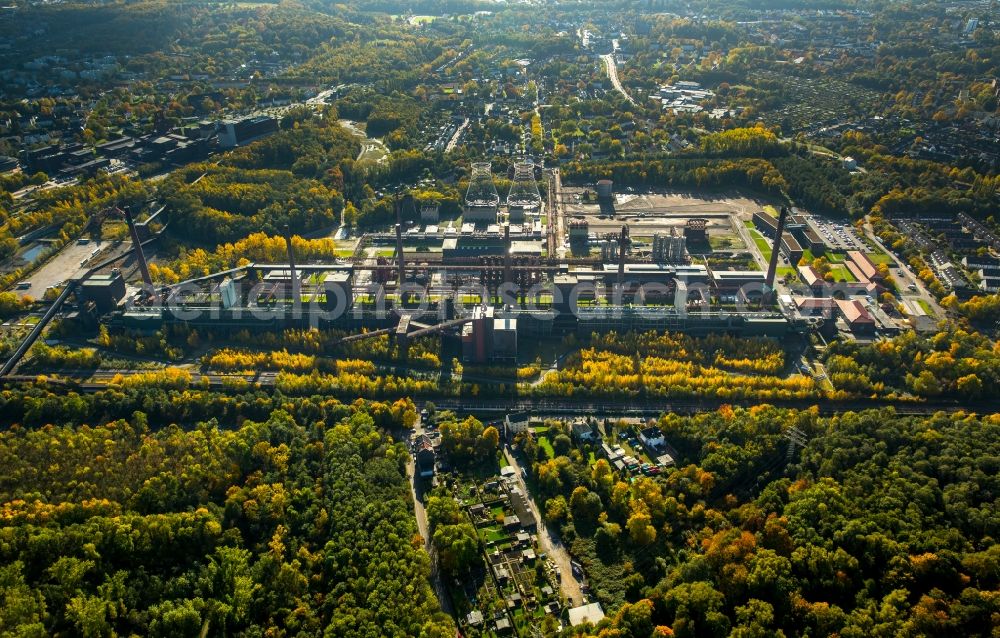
(909, 275)
(609, 65)
(549, 540)
(749, 241)
(456, 137)
(560, 214)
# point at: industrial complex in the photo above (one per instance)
(507, 270)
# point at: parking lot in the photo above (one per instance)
(60, 268)
(838, 235)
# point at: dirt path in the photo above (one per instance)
(549, 541)
(417, 491)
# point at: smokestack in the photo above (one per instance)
(772, 268)
(137, 246)
(506, 254)
(623, 243)
(296, 284)
(400, 257)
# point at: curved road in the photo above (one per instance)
(609, 65)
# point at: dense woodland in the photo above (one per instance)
(881, 526)
(293, 178)
(953, 363)
(296, 524)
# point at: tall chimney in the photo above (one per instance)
(623, 244)
(400, 257)
(506, 254)
(772, 268)
(137, 246)
(296, 284)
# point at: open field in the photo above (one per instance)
(372, 150)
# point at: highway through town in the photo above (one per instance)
(453, 142)
(612, 69)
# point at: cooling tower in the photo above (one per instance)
(482, 191)
(524, 190)
(481, 201)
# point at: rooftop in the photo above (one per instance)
(854, 312)
(591, 613)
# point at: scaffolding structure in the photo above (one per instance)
(524, 192)
(482, 202)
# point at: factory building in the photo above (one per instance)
(235, 132)
(505, 340)
(477, 336)
(768, 227)
(865, 266)
(695, 230)
(799, 227)
(729, 282)
(669, 249)
(482, 202)
(339, 287)
(605, 189)
(524, 196)
(811, 277)
(642, 319)
(228, 293)
(106, 291)
(610, 248)
(480, 214)
(463, 247)
(857, 318)
(579, 230)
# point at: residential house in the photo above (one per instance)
(424, 457)
(652, 438)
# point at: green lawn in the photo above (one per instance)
(725, 242)
(880, 258)
(493, 533)
(763, 244)
(926, 307)
(545, 444)
(841, 272)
